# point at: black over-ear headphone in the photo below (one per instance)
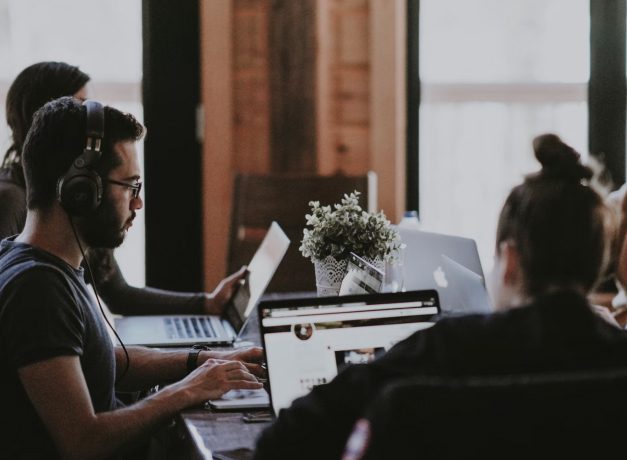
(79, 190)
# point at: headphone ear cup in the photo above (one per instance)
(80, 191)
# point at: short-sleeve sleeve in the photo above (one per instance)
(40, 319)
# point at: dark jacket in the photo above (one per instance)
(557, 332)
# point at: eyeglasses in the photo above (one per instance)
(135, 188)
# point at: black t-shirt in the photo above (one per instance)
(46, 311)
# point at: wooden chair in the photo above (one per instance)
(258, 200)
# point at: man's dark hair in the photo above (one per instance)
(32, 88)
(58, 135)
(557, 221)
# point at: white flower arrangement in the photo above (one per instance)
(347, 228)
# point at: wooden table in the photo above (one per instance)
(220, 435)
(224, 435)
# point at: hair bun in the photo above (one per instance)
(559, 160)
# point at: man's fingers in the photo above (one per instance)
(244, 385)
(256, 369)
(232, 365)
(238, 374)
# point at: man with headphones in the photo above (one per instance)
(58, 368)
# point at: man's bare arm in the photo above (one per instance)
(59, 393)
(149, 367)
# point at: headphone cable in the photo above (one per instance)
(93, 286)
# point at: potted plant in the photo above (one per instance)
(332, 233)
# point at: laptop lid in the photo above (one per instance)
(463, 289)
(260, 272)
(182, 330)
(435, 260)
(307, 341)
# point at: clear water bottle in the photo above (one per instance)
(395, 270)
(410, 220)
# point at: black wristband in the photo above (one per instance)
(192, 357)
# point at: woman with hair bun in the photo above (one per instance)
(552, 245)
(554, 231)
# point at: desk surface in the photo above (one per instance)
(220, 435)
(224, 435)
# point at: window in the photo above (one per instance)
(493, 76)
(104, 40)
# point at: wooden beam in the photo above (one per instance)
(325, 154)
(388, 103)
(217, 162)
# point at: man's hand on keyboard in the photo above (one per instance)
(251, 358)
(213, 378)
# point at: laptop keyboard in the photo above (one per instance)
(189, 328)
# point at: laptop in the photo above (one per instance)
(449, 264)
(184, 330)
(308, 341)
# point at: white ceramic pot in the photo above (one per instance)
(330, 272)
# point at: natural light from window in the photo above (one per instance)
(494, 75)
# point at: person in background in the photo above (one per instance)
(31, 89)
(615, 300)
(58, 368)
(552, 245)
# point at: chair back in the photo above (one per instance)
(284, 198)
(524, 416)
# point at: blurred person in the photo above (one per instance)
(31, 89)
(552, 245)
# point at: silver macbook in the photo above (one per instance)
(449, 264)
(181, 330)
(307, 342)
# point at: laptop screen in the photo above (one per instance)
(450, 264)
(308, 341)
(260, 271)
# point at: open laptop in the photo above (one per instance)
(449, 264)
(308, 341)
(182, 330)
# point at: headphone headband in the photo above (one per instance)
(94, 124)
(79, 190)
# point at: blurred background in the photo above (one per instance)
(441, 98)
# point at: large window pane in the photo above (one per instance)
(494, 74)
(504, 41)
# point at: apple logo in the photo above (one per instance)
(440, 278)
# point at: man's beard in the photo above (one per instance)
(104, 228)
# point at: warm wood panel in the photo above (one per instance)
(388, 108)
(292, 83)
(216, 50)
(344, 87)
(251, 91)
(300, 86)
